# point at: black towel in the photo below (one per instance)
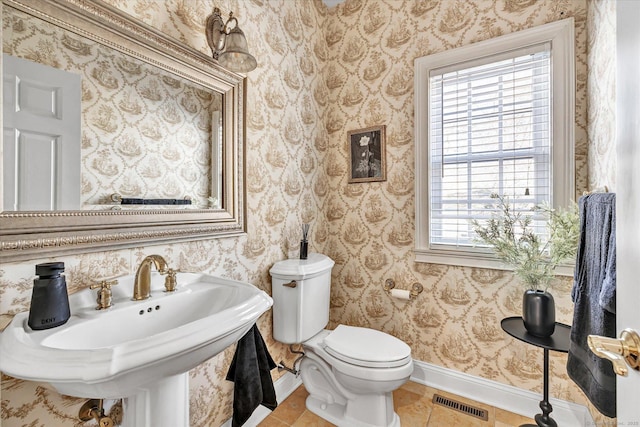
(593, 294)
(250, 373)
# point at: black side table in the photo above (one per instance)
(559, 341)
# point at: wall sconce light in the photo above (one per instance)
(228, 45)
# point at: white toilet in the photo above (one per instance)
(350, 372)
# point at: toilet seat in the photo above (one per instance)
(366, 347)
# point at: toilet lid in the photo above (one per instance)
(367, 347)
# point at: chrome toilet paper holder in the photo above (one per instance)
(416, 288)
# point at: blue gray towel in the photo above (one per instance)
(250, 373)
(594, 296)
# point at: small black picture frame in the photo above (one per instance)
(367, 154)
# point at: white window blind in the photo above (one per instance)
(496, 116)
(490, 133)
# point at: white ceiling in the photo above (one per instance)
(331, 3)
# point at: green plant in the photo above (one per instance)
(532, 256)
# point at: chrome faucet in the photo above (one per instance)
(142, 283)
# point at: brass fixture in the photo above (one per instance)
(291, 284)
(228, 45)
(416, 288)
(170, 282)
(618, 350)
(388, 285)
(104, 293)
(142, 282)
(93, 410)
(603, 189)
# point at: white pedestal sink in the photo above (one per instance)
(137, 350)
(170, 398)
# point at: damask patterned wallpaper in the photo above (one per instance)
(321, 74)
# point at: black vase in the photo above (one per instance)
(539, 313)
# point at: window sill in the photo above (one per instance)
(474, 259)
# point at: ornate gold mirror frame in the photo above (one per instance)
(28, 235)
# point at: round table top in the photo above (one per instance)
(559, 341)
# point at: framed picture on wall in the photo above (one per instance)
(367, 154)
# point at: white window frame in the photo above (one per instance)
(561, 36)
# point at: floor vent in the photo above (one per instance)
(461, 407)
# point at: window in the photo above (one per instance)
(491, 117)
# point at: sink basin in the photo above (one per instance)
(134, 347)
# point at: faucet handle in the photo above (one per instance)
(171, 281)
(104, 293)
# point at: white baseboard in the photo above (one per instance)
(284, 386)
(503, 396)
(493, 393)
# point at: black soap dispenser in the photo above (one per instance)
(49, 299)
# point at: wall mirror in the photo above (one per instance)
(158, 155)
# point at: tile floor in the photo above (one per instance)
(412, 402)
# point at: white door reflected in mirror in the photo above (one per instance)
(145, 133)
(41, 137)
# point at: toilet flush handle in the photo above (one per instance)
(291, 284)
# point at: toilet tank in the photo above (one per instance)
(300, 309)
